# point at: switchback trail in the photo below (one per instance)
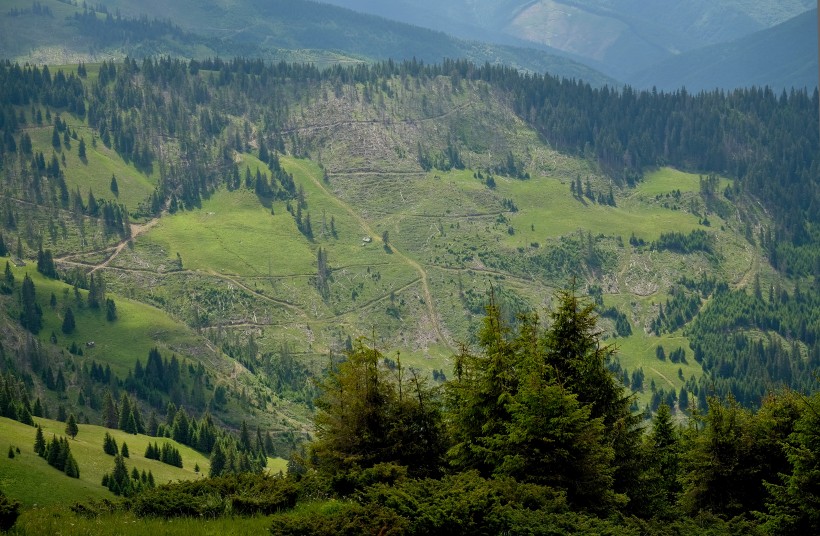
(425, 286)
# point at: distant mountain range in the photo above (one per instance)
(697, 43)
(781, 57)
(274, 30)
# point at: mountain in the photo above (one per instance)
(617, 37)
(452, 293)
(781, 57)
(62, 32)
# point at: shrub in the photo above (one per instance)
(245, 494)
(9, 511)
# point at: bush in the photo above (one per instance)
(9, 511)
(244, 494)
(462, 504)
(341, 517)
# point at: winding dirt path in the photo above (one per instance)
(136, 230)
(425, 286)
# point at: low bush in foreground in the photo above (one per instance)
(245, 494)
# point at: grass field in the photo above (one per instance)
(95, 172)
(29, 479)
(137, 329)
(439, 224)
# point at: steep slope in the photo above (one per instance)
(782, 57)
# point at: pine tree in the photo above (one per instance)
(55, 138)
(31, 316)
(110, 414)
(794, 503)
(93, 206)
(110, 445)
(126, 420)
(40, 442)
(68, 322)
(71, 428)
(71, 468)
(218, 461)
(153, 424)
(110, 310)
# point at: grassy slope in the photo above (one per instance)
(138, 328)
(247, 243)
(32, 481)
(252, 273)
(29, 479)
(101, 163)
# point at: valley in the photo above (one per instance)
(396, 277)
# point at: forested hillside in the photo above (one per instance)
(211, 250)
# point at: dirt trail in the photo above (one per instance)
(754, 269)
(258, 294)
(659, 373)
(136, 230)
(425, 286)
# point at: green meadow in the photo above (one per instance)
(438, 224)
(29, 479)
(101, 163)
(33, 482)
(137, 329)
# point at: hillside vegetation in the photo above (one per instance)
(194, 247)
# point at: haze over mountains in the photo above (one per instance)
(699, 44)
(641, 43)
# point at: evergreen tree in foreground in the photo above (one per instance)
(541, 406)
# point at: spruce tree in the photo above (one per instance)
(31, 316)
(71, 428)
(40, 442)
(71, 468)
(126, 420)
(110, 445)
(69, 323)
(110, 414)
